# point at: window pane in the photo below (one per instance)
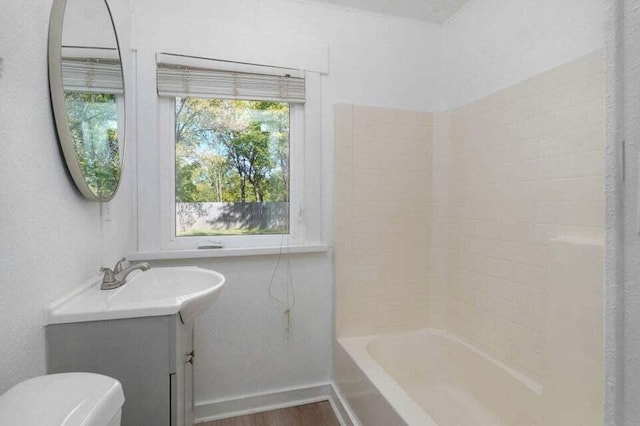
(232, 167)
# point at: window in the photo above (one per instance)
(231, 167)
(234, 156)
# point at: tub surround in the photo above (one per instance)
(383, 163)
(517, 223)
(525, 167)
(514, 243)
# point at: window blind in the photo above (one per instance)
(203, 78)
(96, 76)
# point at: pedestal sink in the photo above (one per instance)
(141, 334)
(186, 291)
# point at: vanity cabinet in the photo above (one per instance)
(152, 357)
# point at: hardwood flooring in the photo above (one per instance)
(316, 414)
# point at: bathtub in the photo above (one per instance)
(430, 377)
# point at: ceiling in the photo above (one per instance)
(436, 11)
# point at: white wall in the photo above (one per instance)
(87, 25)
(241, 342)
(372, 60)
(492, 44)
(52, 239)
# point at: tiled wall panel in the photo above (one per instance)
(524, 169)
(383, 162)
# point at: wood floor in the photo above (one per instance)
(316, 414)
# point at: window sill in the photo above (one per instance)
(228, 252)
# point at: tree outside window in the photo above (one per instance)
(232, 167)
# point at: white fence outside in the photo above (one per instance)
(227, 216)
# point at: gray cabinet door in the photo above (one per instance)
(139, 352)
(185, 357)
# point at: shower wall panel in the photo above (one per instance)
(383, 165)
(525, 173)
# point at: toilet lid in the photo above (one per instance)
(69, 399)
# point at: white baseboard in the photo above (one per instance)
(223, 409)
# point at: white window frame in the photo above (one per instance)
(169, 240)
(155, 164)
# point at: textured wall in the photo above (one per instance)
(614, 215)
(373, 60)
(383, 160)
(241, 342)
(623, 291)
(492, 44)
(52, 240)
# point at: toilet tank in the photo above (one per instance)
(68, 399)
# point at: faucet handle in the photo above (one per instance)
(119, 265)
(109, 276)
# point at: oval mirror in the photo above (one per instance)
(87, 94)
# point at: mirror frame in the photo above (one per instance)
(56, 92)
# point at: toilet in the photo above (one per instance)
(67, 399)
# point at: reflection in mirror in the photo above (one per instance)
(90, 115)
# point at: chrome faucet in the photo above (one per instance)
(119, 265)
(116, 277)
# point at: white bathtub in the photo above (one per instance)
(429, 377)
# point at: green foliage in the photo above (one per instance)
(231, 150)
(93, 121)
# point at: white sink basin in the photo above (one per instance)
(186, 291)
